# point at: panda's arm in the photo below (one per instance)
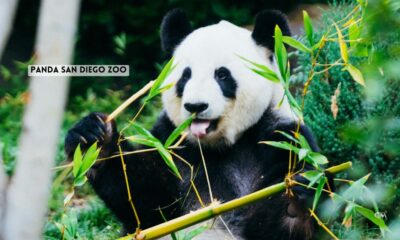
(151, 184)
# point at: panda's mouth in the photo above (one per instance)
(201, 127)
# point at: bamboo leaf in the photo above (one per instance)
(266, 75)
(162, 76)
(303, 153)
(280, 52)
(320, 43)
(159, 91)
(342, 45)
(288, 136)
(355, 190)
(166, 156)
(177, 132)
(155, 89)
(280, 102)
(77, 160)
(193, 233)
(262, 70)
(369, 214)
(296, 44)
(257, 65)
(89, 159)
(303, 142)
(354, 32)
(355, 74)
(141, 140)
(144, 132)
(282, 145)
(317, 158)
(318, 192)
(80, 180)
(308, 28)
(313, 176)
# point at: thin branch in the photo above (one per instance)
(130, 100)
(205, 171)
(128, 189)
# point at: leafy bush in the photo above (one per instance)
(364, 129)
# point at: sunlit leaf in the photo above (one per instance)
(159, 91)
(155, 89)
(308, 28)
(89, 159)
(317, 158)
(342, 45)
(280, 52)
(177, 132)
(296, 44)
(303, 153)
(77, 160)
(355, 74)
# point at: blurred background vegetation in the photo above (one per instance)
(365, 131)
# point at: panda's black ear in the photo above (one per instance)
(175, 27)
(264, 27)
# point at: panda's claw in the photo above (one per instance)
(83, 139)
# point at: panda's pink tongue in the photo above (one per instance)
(199, 128)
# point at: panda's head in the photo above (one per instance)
(213, 82)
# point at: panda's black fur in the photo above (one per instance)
(234, 170)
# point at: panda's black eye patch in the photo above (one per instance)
(222, 73)
(226, 82)
(180, 85)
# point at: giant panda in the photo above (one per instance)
(235, 110)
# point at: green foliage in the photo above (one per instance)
(11, 108)
(366, 129)
(88, 219)
(82, 163)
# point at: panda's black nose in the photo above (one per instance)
(196, 107)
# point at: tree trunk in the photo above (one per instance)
(7, 12)
(27, 194)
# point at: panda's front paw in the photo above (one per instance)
(90, 129)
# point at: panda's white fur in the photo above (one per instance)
(212, 47)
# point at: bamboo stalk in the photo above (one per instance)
(217, 209)
(130, 100)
